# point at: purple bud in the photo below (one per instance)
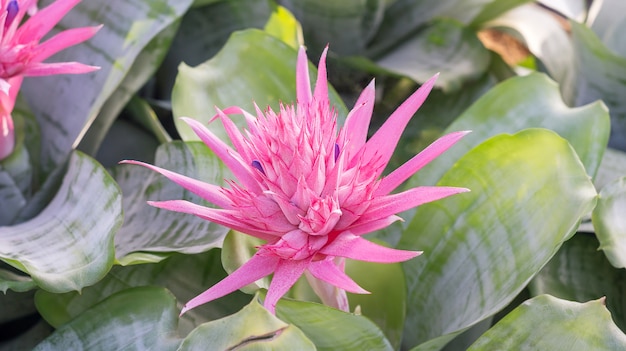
(12, 9)
(256, 164)
(336, 151)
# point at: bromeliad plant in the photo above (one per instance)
(309, 191)
(304, 193)
(22, 53)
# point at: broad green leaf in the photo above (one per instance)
(386, 305)
(548, 323)
(529, 192)
(444, 46)
(610, 223)
(149, 229)
(346, 25)
(519, 103)
(600, 74)
(580, 272)
(134, 319)
(142, 69)
(69, 245)
(331, 329)
(252, 328)
(184, 275)
(253, 67)
(66, 105)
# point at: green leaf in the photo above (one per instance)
(444, 46)
(600, 74)
(69, 245)
(142, 69)
(331, 329)
(548, 323)
(579, 272)
(252, 67)
(149, 229)
(134, 319)
(609, 222)
(481, 248)
(386, 305)
(519, 103)
(184, 275)
(128, 27)
(252, 328)
(346, 25)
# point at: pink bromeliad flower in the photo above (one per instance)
(309, 190)
(22, 54)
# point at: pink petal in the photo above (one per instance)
(234, 134)
(209, 192)
(351, 246)
(285, 276)
(321, 85)
(256, 268)
(223, 217)
(7, 133)
(383, 142)
(395, 178)
(7, 102)
(368, 227)
(46, 69)
(354, 132)
(62, 41)
(230, 158)
(395, 203)
(327, 271)
(303, 82)
(44, 20)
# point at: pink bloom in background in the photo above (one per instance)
(7, 101)
(22, 54)
(309, 190)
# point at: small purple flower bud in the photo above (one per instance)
(256, 164)
(12, 9)
(336, 151)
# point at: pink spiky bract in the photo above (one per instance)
(309, 190)
(22, 53)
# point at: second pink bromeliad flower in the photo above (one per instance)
(309, 190)
(22, 54)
